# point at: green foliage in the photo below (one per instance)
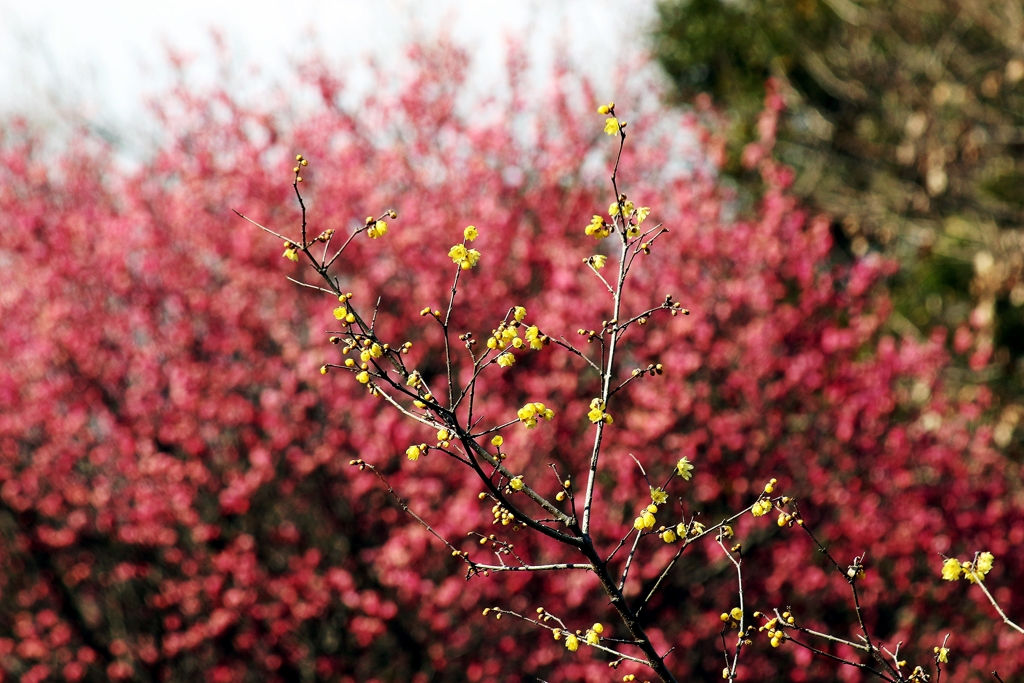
(905, 122)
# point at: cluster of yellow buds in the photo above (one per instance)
(342, 312)
(974, 571)
(501, 514)
(761, 507)
(733, 617)
(532, 412)
(443, 437)
(507, 333)
(300, 162)
(594, 634)
(371, 350)
(646, 520)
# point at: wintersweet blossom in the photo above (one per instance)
(465, 258)
(572, 643)
(951, 569)
(291, 253)
(535, 338)
(598, 261)
(658, 495)
(611, 125)
(413, 452)
(519, 313)
(516, 483)
(470, 233)
(597, 228)
(627, 207)
(363, 377)
(378, 229)
(984, 563)
(597, 414)
(531, 412)
(684, 469)
(506, 359)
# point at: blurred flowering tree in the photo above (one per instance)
(176, 496)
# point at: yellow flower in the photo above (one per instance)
(611, 125)
(572, 643)
(520, 313)
(535, 338)
(605, 108)
(497, 441)
(466, 258)
(516, 483)
(340, 312)
(291, 254)
(413, 452)
(470, 233)
(684, 469)
(378, 229)
(363, 377)
(658, 495)
(951, 569)
(668, 536)
(984, 563)
(761, 508)
(642, 213)
(597, 228)
(443, 435)
(597, 628)
(597, 414)
(942, 655)
(531, 412)
(593, 638)
(598, 261)
(376, 351)
(638, 523)
(506, 359)
(648, 519)
(457, 253)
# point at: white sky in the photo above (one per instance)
(102, 58)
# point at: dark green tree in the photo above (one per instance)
(905, 122)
